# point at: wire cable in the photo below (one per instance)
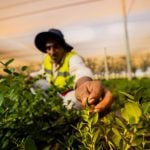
(48, 9)
(17, 4)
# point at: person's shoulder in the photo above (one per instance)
(76, 58)
(72, 54)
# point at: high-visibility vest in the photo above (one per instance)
(63, 75)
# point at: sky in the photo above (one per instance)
(89, 25)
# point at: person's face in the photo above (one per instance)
(55, 50)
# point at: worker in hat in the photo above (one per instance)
(61, 63)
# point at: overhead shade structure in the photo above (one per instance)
(88, 25)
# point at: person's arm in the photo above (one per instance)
(98, 96)
(37, 73)
(78, 69)
(33, 75)
(82, 80)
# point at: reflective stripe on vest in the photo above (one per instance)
(63, 74)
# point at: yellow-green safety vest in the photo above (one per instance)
(63, 75)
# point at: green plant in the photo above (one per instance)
(40, 116)
(87, 133)
(40, 121)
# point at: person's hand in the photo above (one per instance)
(105, 102)
(96, 94)
(90, 90)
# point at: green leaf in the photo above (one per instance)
(116, 139)
(146, 107)
(94, 118)
(141, 132)
(8, 71)
(111, 145)
(5, 144)
(1, 110)
(24, 68)
(137, 140)
(85, 117)
(131, 112)
(2, 80)
(30, 144)
(138, 94)
(127, 95)
(132, 120)
(9, 61)
(1, 99)
(96, 135)
(85, 112)
(116, 132)
(120, 123)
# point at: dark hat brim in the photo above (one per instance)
(41, 38)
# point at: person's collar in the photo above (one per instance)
(57, 66)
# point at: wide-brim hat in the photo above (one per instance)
(41, 39)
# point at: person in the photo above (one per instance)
(60, 64)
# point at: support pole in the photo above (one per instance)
(128, 57)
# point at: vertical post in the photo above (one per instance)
(128, 57)
(106, 65)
